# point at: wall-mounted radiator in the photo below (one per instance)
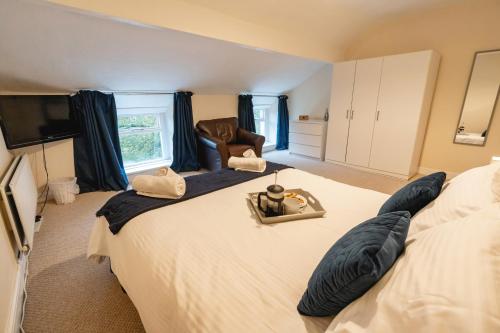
(19, 195)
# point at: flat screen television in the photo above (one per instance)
(34, 119)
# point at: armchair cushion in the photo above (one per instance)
(237, 150)
(210, 141)
(223, 128)
(252, 139)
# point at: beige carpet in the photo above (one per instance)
(67, 293)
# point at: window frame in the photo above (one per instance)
(157, 129)
(162, 129)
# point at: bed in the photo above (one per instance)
(207, 264)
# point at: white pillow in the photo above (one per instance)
(465, 194)
(447, 280)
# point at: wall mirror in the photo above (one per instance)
(480, 99)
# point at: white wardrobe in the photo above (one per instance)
(378, 112)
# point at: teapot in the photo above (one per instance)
(275, 196)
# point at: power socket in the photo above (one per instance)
(38, 222)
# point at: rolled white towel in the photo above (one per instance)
(166, 184)
(253, 164)
(249, 153)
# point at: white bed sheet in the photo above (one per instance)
(207, 265)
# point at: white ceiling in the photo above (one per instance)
(48, 49)
(334, 22)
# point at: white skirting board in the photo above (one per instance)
(17, 304)
(380, 172)
(428, 171)
(421, 171)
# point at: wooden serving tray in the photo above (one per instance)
(312, 210)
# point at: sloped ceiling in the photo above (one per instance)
(332, 22)
(317, 29)
(45, 48)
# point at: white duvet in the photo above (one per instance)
(207, 264)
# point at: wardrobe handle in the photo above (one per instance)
(378, 114)
(347, 114)
(352, 114)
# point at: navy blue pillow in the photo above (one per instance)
(416, 195)
(355, 263)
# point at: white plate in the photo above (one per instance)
(298, 199)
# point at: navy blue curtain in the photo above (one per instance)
(98, 158)
(282, 135)
(245, 113)
(185, 152)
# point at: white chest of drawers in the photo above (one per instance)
(307, 137)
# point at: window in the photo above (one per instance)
(259, 113)
(265, 116)
(145, 130)
(140, 138)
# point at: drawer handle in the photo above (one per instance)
(347, 114)
(352, 114)
(378, 114)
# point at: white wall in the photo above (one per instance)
(59, 157)
(9, 266)
(214, 106)
(312, 97)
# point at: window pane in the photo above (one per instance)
(262, 128)
(259, 113)
(138, 121)
(140, 147)
(257, 126)
(259, 116)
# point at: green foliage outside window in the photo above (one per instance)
(139, 147)
(137, 121)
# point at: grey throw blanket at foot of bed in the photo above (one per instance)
(126, 205)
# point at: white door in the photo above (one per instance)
(340, 108)
(364, 108)
(400, 103)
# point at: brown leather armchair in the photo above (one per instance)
(218, 139)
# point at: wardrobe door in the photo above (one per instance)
(340, 108)
(364, 108)
(400, 105)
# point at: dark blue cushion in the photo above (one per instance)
(416, 195)
(354, 264)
